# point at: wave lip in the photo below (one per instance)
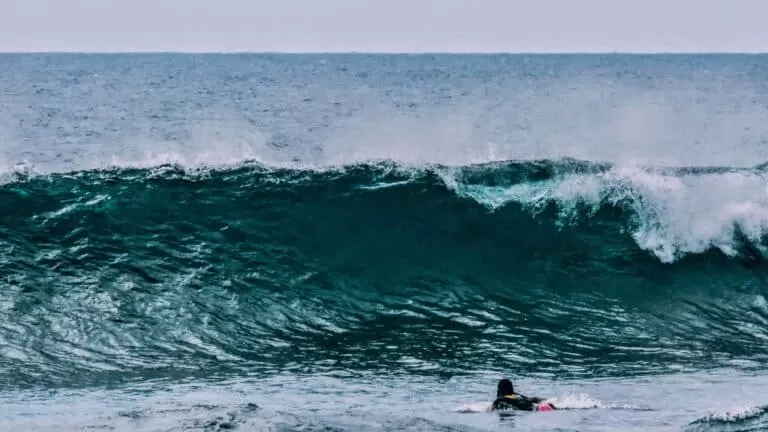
(669, 212)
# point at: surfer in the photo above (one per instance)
(507, 399)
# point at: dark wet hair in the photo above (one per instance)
(504, 388)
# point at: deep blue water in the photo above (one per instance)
(359, 242)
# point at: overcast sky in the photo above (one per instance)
(385, 25)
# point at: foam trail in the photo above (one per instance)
(576, 401)
(474, 407)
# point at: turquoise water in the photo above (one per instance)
(355, 242)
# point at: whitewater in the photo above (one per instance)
(369, 242)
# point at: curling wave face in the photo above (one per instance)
(558, 266)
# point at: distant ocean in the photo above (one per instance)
(369, 242)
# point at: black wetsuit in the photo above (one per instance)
(513, 402)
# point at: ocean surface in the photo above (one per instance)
(369, 242)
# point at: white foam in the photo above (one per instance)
(673, 214)
(734, 413)
(474, 407)
(575, 401)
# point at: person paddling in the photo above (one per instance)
(507, 399)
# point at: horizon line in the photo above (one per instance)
(362, 52)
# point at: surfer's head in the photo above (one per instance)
(504, 388)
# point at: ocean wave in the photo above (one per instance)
(668, 212)
(566, 267)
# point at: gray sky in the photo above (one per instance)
(385, 25)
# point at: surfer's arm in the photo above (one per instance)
(536, 399)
